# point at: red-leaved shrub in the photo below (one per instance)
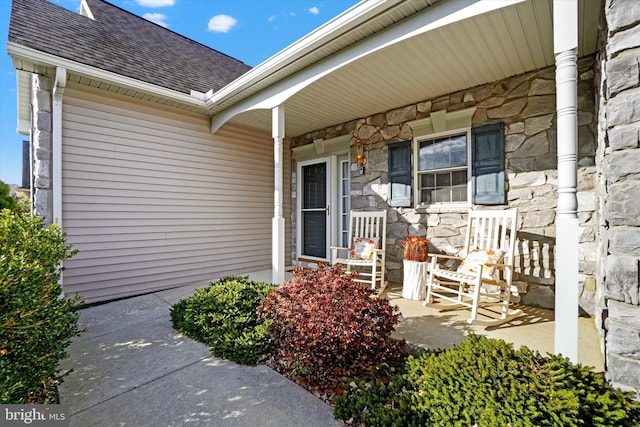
(328, 328)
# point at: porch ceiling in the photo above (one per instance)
(465, 54)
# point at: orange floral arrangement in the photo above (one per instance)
(416, 248)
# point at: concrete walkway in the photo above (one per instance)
(130, 368)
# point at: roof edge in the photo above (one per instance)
(337, 26)
(18, 51)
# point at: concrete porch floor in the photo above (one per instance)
(428, 327)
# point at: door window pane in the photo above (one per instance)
(315, 183)
(314, 234)
(345, 204)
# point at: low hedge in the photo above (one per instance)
(485, 382)
(224, 317)
(36, 324)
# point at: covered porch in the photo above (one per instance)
(318, 100)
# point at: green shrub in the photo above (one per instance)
(374, 402)
(224, 317)
(485, 382)
(6, 200)
(326, 328)
(36, 325)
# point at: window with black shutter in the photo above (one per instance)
(443, 173)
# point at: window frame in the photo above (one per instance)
(416, 172)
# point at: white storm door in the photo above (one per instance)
(314, 231)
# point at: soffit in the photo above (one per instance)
(23, 86)
(85, 76)
(489, 47)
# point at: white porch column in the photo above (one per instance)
(277, 245)
(565, 38)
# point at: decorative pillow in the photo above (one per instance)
(478, 257)
(363, 249)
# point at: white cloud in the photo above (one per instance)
(221, 23)
(312, 10)
(156, 3)
(157, 18)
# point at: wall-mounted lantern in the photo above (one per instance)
(361, 159)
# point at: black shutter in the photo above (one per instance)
(487, 153)
(400, 174)
(26, 164)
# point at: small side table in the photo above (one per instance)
(414, 285)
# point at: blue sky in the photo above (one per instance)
(248, 30)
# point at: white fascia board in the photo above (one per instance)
(344, 22)
(440, 15)
(85, 10)
(37, 57)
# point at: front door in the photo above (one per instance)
(315, 209)
(323, 200)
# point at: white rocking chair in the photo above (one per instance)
(485, 275)
(367, 236)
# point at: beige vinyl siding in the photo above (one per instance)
(152, 200)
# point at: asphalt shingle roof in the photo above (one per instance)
(123, 43)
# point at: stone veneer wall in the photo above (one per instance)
(618, 160)
(526, 103)
(41, 146)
